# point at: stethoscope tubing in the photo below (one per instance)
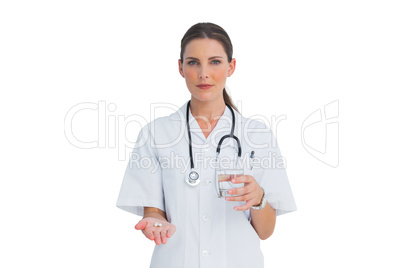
(193, 178)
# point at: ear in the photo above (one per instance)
(181, 68)
(232, 67)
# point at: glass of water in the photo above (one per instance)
(224, 180)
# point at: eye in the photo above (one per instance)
(216, 62)
(192, 62)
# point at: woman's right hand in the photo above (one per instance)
(157, 234)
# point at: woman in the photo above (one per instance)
(189, 224)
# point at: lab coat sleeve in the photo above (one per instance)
(142, 182)
(271, 174)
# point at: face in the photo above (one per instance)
(205, 67)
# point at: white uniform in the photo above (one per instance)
(209, 233)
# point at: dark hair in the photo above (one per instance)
(210, 31)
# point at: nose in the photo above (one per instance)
(203, 73)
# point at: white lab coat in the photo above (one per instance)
(209, 233)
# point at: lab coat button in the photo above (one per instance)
(205, 217)
(206, 182)
(206, 149)
(205, 253)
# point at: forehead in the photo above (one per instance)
(204, 47)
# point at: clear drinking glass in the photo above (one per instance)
(224, 180)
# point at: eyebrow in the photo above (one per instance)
(211, 58)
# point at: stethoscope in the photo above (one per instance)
(193, 178)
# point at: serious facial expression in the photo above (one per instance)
(205, 67)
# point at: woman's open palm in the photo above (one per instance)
(159, 234)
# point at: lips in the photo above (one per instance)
(204, 86)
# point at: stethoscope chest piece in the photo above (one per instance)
(193, 178)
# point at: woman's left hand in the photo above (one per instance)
(251, 192)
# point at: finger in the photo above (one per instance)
(240, 190)
(157, 236)
(243, 179)
(245, 197)
(244, 207)
(148, 233)
(163, 237)
(171, 231)
(141, 225)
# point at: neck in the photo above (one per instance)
(210, 110)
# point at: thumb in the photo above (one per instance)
(141, 224)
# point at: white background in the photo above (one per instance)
(293, 57)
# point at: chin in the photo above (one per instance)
(206, 96)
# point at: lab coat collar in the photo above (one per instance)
(180, 114)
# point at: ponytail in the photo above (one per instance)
(228, 100)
